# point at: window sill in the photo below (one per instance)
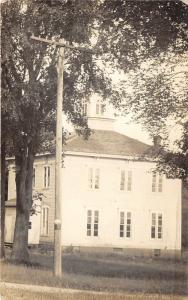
(92, 237)
(157, 193)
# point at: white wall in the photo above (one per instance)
(101, 123)
(109, 200)
(10, 218)
(77, 198)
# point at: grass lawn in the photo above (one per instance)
(102, 272)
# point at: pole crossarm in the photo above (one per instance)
(60, 44)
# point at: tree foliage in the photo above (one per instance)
(30, 74)
(136, 30)
(31, 66)
(148, 41)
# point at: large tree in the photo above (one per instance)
(6, 144)
(31, 76)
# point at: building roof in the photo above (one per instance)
(107, 142)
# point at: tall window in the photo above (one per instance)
(100, 108)
(46, 176)
(156, 226)
(157, 182)
(94, 178)
(34, 172)
(126, 181)
(6, 184)
(45, 221)
(92, 222)
(125, 224)
(84, 108)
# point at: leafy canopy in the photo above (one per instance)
(145, 39)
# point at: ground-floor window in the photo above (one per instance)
(156, 225)
(92, 222)
(125, 224)
(45, 221)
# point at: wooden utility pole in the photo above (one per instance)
(58, 167)
(58, 161)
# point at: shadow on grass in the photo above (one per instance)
(112, 269)
(28, 264)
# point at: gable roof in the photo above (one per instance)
(107, 142)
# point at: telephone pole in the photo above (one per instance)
(58, 167)
(58, 160)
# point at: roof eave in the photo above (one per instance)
(109, 156)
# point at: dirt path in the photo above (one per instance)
(47, 289)
(54, 290)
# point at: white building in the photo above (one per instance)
(112, 197)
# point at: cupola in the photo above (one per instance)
(100, 113)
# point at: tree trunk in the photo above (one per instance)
(3, 178)
(24, 171)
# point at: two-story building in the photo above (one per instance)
(113, 198)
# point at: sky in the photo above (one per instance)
(126, 126)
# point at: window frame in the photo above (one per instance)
(34, 178)
(126, 180)
(85, 108)
(100, 108)
(157, 185)
(92, 228)
(44, 220)
(157, 226)
(47, 176)
(94, 174)
(125, 224)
